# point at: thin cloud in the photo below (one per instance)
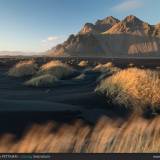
(50, 39)
(128, 6)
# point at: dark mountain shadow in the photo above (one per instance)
(119, 44)
(116, 45)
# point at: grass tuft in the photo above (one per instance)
(57, 69)
(23, 68)
(45, 80)
(135, 89)
(83, 63)
(106, 68)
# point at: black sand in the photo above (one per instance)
(21, 106)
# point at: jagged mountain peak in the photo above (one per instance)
(106, 23)
(88, 27)
(132, 19)
(111, 37)
(100, 25)
(132, 25)
(107, 20)
(89, 24)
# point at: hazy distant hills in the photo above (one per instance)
(19, 53)
(112, 37)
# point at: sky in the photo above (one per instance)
(38, 25)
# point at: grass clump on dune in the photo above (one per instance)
(83, 63)
(135, 89)
(50, 73)
(106, 70)
(80, 77)
(101, 67)
(45, 80)
(107, 67)
(23, 68)
(56, 68)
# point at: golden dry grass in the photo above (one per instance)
(131, 65)
(107, 67)
(45, 80)
(83, 63)
(80, 77)
(105, 70)
(102, 67)
(135, 135)
(23, 68)
(56, 68)
(132, 88)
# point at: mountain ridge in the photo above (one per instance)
(112, 37)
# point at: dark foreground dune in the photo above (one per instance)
(70, 101)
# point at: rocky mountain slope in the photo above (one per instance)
(111, 37)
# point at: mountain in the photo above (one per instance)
(99, 26)
(111, 37)
(132, 25)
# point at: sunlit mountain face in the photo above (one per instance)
(112, 37)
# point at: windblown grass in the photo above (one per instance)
(56, 68)
(136, 89)
(45, 80)
(23, 68)
(132, 136)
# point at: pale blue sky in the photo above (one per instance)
(36, 25)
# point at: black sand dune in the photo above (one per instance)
(71, 99)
